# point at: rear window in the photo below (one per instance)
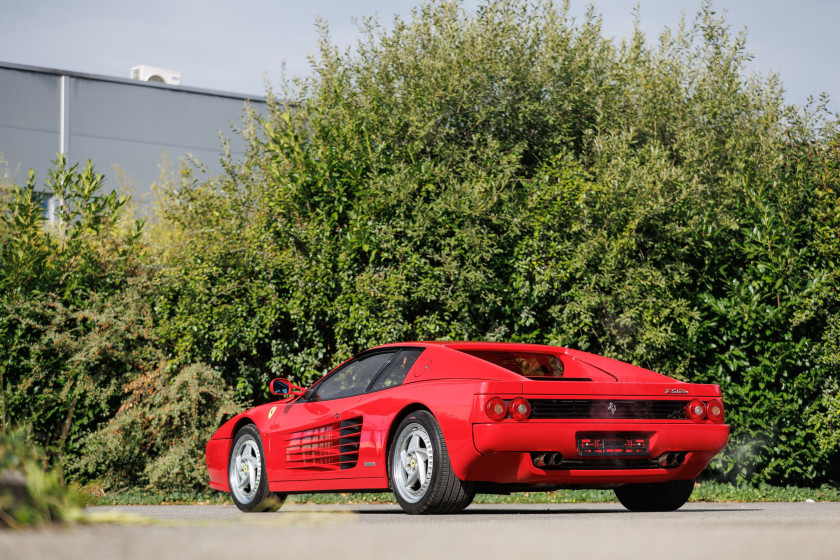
(528, 364)
(396, 370)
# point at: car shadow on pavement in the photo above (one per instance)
(552, 510)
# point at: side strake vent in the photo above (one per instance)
(351, 434)
(608, 409)
(331, 447)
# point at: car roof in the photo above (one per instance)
(613, 368)
(484, 345)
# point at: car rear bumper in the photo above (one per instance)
(508, 449)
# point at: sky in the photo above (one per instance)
(235, 46)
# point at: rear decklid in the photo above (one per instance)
(594, 389)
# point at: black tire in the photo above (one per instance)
(247, 475)
(662, 496)
(422, 480)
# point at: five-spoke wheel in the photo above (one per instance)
(246, 473)
(419, 469)
(413, 470)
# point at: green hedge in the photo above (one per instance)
(512, 175)
(503, 175)
(81, 363)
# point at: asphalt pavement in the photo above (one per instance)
(707, 531)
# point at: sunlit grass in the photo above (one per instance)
(703, 492)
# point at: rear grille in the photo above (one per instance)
(602, 464)
(543, 409)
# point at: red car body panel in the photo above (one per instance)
(305, 442)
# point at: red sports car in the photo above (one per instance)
(438, 422)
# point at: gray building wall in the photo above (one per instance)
(116, 123)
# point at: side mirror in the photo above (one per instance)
(284, 388)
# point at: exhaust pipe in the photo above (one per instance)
(545, 460)
(666, 460)
(671, 459)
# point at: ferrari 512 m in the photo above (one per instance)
(438, 422)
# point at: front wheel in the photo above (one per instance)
(246, 473)
(419, 469)
(661, 496)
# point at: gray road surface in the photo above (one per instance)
(764, 531)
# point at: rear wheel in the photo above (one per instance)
(661, 496)
(419, 469)
(246, 473)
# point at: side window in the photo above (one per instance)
(396, 371)
(352, 379)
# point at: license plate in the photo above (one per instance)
(612, 445)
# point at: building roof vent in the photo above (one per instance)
(160, 75)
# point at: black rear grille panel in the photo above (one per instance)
(608, 409)
(603, 464)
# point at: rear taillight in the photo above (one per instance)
(495, 408)
(714, 410)
(519, 409)
(696, 410)
(498, 408)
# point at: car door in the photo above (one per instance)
(320, 437)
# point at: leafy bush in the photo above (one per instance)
(504, 175)
(31, 494)
(825, 421)
(74, 317)
(66, 366)
(157, 436)
(512, 174)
